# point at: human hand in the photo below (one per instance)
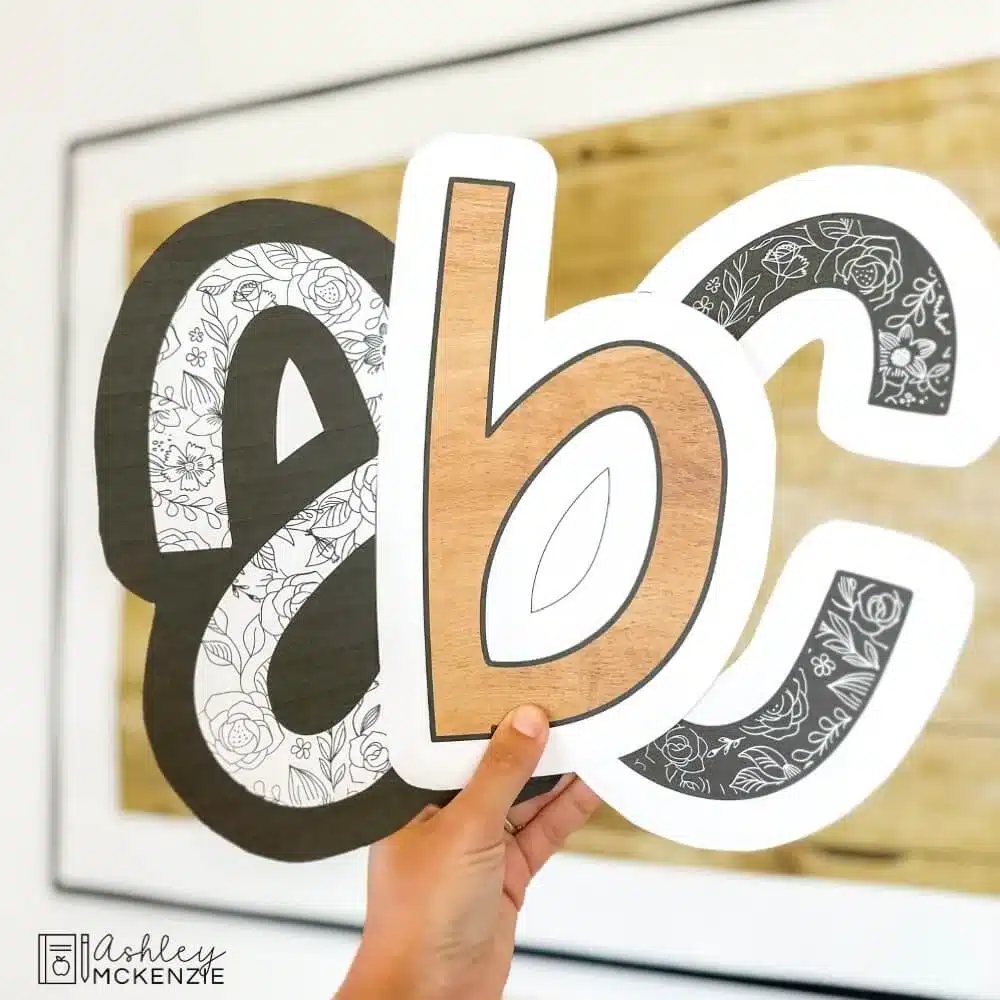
(445, 891)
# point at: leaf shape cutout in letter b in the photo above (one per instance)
(573, 545)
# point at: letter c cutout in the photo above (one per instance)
(865, 625)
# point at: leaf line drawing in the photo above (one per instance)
(853, 689)
(188, 496)
(884, 267)
(186, 408)
(828, 687)
(736, 287)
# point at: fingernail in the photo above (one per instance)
(529, 721)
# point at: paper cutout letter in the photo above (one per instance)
(883, 266)
(621, 428)
(866, 625)
(854, 649)
(254, 565)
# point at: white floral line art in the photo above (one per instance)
(827, 688)
(737, 301)
(874, 260)
(902, 356)
(869, 264)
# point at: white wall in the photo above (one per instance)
(70, 68)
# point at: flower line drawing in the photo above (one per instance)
(822, 665)
(188, 392)
(243, 634)
(784, 717)
(827, 688)
(883, 266)
(191, 513)
(903, 356)
(680, 753)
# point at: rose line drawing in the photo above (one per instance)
(682, 752)
(884, 267)
(875, 610)
(175, 540)
(327, 289)
(284, 597)
(786, 262)
(871, 264)
(369, 752)
(865, 614)
(188, 494)
(783, 719)
(186, 407)
(242, 730)
(829, 684)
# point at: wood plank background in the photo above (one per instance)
(627, 193)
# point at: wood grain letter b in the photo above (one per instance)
(476, 468)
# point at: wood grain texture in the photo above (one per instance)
(474, 479)
(627, 193)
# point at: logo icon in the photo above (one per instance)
(63, 958)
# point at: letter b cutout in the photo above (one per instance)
(553, 521)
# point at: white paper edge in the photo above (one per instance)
(929, 644)
(967, 257)
(527, 351)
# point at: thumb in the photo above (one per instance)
(511, 757)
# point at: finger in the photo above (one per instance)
(428, 812)
(424, 815)
(511, 757)
(524, 812)
(548, 831)
(539, 785)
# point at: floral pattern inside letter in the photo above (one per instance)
(808, 717)
(883, 266)
(188, 493)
